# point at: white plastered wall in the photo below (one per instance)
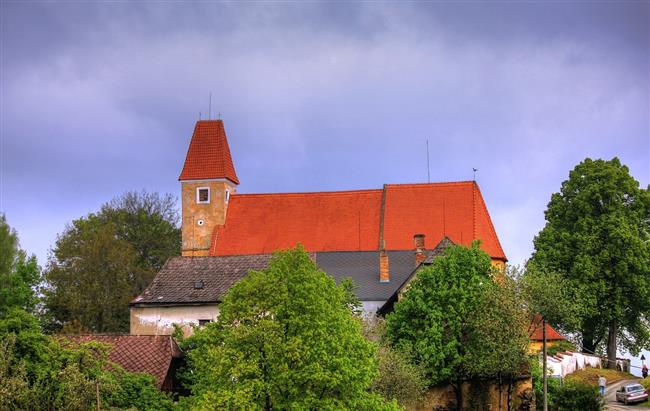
(160, 320)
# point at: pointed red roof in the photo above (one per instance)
(352, 220)
(536, 331)
(208, 156)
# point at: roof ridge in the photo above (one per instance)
(305, 193)
(425, 185)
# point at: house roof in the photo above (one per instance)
(198, 279)
(357, 220)
(208, 156)
(175, 283)
(536, 331)
(151, 354)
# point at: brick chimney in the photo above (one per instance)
(384, 272)
(420, 254)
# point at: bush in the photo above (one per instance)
(646, 383)
(574, 396)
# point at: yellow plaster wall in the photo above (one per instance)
(196, 238)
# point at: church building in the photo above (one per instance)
(376, 237)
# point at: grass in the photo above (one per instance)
(590, 376)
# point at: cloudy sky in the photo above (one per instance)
(100, 98)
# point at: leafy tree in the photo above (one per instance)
(457, 322)
(149, 222)
(101, 261)
(39, 372)
(597, 238)
(285, 339)
(19, 274)
(91, 277)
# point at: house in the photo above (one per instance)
(156, 355)
(376, 237)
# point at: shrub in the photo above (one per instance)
(575, 396)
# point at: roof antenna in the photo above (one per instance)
(199, 116)
(475, 170)
(428, 169)
(210, 107)
(220, 115)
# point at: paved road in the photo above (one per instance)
(610, 398)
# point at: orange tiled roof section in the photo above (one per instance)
(263, 223)
(536, 331)
(208, 155)
(350, 220)
(151, 354)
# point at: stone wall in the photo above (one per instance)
(482, 395)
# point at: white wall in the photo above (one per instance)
(159, 320)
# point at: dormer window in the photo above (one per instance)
(203, 195)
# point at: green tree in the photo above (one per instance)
(597, 238)
(457, 323)
(101, 261)
(285, 339)
(19, 274)
(92, 277)
(149, 222)
(39, 372)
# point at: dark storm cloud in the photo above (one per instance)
(99, 98)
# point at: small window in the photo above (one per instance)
(203, 323)
(227, 195)
(203, 195)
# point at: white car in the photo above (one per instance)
(631, 393)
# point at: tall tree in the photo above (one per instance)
(19, 274)
(457, 322)
(91, 277)
(101, 261)
(285, 339)
(597, 237)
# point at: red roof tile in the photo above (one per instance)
(208, 156)
(536, 331)
(263, 223)
(151, 354)
(350, 220)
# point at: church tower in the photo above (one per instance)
(208, 179)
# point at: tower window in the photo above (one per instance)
(203, 195)
(227, 195)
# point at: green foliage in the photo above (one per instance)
(646, 383)
(19, 274)
(497, 337)
(550, 295)
(138, 391)
(457, 322)
(597, 238)
(285, 339)
(399, 378)
(101, 261)
(560, 346)
(554, 384)
(39, 372)
(575, 396)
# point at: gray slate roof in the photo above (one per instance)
(177, 280)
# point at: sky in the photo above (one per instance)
(100, 98)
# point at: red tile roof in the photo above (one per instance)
(208, 156)
(351, 220)
(536, 331)
(151, 354)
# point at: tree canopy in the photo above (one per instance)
(597, 238)
(286, 338)
(458, 323)
(101, 261)
(19, 274)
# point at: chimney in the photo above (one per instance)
(384, 274)
(420, 254)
